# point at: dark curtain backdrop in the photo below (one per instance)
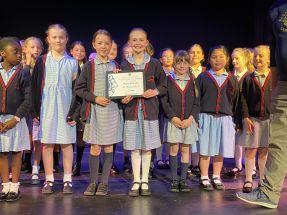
(238, 23)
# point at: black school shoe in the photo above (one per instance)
(174, 186)
(12, 196)
(183, 186)
(3, 196)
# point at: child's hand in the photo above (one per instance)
(116, 70)
(249, 126)
(126, 99)
(150, 93)
(187, 122)
(2, 127)
(36, 121)
(71, 122)
(11, 123)
(176, 122)
(103, 101)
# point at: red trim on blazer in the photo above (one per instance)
(5, 87)
(92, 86)
(262, 91)
(182, 92)
(218, 100)
(142, 99)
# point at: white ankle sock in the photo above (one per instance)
(35, 169)
(67, 177)
(14, 187)
(50, 177)
(6, 187)
(205, 182)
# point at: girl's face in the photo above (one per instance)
(138, 41)
(127, 52)
(78, 52)
(114, 51)
(57, 39)
(167, 58)
(238, 61)
(261, 58)
(102, 44)
(181, 67)
(34, 47)
(217, 60)
(12, 54)
(195, 55)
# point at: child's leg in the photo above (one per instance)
(159, 152)
(16, 168)
(94, 163)
(136, 166)
(56, 157)
(146, 160)
(80, 152)
(108, 161)
(217, 165)
(48, 161)
(250, 154)
(204, 165)
(238, 156)
(67, 150)
(195, 159)
(37, 153)
(262, 157)
(4, 167)
(173, 160)
(184, 149)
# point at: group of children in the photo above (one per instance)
(62, 100)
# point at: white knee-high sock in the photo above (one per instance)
(136, 166)
(146, 157)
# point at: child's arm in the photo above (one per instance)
(81, 86)
(160, 79)
(245, 112)
(25, 106)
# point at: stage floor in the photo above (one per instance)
(118, 202)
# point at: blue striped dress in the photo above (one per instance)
(216, 134)
(56, 100)
(105, 126)
(141, 134)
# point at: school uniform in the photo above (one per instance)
(15, 101)
(255, 104)
(52, 97)
(141, 130)
(181, 101)
(162, 118)
(197, 71)
(103, 125)
(219, 95)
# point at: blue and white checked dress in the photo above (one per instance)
(106, 123)
(141, 134)
(56, 100)
(17, 138)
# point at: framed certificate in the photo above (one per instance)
(125, 83)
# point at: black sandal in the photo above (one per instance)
(219, 185)
(246, 189)
(207, 187)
